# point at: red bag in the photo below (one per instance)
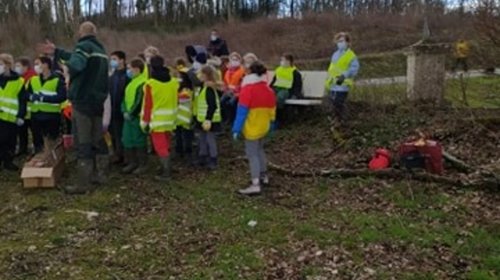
(380, 160)
(430, 151)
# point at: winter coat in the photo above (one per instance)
(88, 70)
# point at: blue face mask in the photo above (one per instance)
(130, 74)
(342, 45)
(113, 63)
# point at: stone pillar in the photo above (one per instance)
(426, 72)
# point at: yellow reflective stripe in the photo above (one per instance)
(48, 104)
(48, 92)
(184, 108)
(164, 112)
(8, 110)
(8, 100)
(183, 118)
(154, 124)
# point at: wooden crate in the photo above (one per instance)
(45, 176)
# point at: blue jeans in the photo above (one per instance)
(338, 98)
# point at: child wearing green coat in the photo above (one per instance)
(133, 138)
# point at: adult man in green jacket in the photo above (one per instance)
(88, 71)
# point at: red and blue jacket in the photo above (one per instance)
(256, 108)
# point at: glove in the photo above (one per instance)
(340, 80)
(236, 135)
(19, 122)
(35, 97)
(207, 125)
(126, 116)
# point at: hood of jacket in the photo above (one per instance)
(161, 74)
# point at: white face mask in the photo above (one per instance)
(247, 65)
(213, 37)
(2, 69)
(342, 45)
(196, 65)
(148, 60)
(234, 63)
(284, 63)
(19, 70)
(38, 69)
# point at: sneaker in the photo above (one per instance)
(252, 190)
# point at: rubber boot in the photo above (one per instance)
(166, 173)
(83, 183)
(101, 170)
(132, 164)
(142, 157)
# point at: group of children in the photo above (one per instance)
(151, 103)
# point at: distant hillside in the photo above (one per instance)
(309, 38)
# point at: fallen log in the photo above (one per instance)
(388, 174)
(458, 164)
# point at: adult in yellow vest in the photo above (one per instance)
(344, 66)
(287, 83)
(159, 112)
(208, 117)
(12, 110)
(184, 133)
(47, 92)
(133, 138)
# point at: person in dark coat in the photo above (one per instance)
(118, 81)
(217, 46)
(88, 71)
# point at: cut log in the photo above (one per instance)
(458, 164)
(389, 174)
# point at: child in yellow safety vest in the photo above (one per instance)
(134, 140)
(159, 112)
(184, 133)
(47, 91)
(208, 117)
(12, 110)
(287, 83)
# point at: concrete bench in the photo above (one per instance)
(313, 84)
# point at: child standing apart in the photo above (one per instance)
(208, 117)
(255, 119)
(159, 112)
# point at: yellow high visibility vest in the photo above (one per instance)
(131, 91)
(164, 111)
(49, 88)
(185, 108)
(284, 77)
(339, 67)
(9, 100)
(202, 107)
